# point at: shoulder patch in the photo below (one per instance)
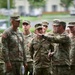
(4, 36)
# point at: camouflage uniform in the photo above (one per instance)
(13, 50)
(28, 38)
(2, 65)
(60, 59)
(39, 51)
(72, 50)
(72, 55)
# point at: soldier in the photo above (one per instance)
(72, 50)
(53, 33)
(45, 25)
(67, 30)
(28, 36)
(60, 59)
(2, 64)
(54, 25)
(39, 50)
(13, 48)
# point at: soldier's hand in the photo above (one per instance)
(41, 35)
(25, 65)
(50, 54)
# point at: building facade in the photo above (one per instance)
(23, 6)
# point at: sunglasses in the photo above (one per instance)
(45, 26)
(25, 24)
(39, 29)
(71, 26)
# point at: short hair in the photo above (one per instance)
(63, 24)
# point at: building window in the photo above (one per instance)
(54, 8)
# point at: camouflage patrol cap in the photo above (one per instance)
(26, 21)
(56, 22)
(45, 23)
(15, 17)
(71, 24)
(38, 25)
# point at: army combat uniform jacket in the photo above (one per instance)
(72, 51)
(1, 58)
(61, 48)
(27, 39)
(13, 48)
(39, 52)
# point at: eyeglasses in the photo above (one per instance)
(25, 24)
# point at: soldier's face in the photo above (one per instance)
(56, 28)
(26, 26)
(45, 28)
(40, 30)
(16, 23)
(72, 29)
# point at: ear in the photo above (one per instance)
(12, 21)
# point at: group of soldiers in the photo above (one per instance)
(38, 53)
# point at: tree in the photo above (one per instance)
(37, 3)
(3, 4)
(66, 4)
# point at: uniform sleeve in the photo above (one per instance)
(31, 50)
(5, 50)
(25, 59)
(52, 47)
(24, 51)
(57, 39)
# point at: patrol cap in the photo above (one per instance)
(56, 22)
(38, 25)
(45, 23)
(26, 21)
(15, 17)
(71, 24)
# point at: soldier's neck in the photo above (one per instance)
(39, 37)
(73, 34)
(26, 32)
(61, 32)
(15, 28)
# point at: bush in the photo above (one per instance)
(1, 31)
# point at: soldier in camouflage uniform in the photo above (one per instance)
(72, 50)
(13, 48)
(60, 59)
(53, 33)
(28, 36)
(2, 65)
(39, 50)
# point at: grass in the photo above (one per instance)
(3, 17)
(29, 18)
(46, 15)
